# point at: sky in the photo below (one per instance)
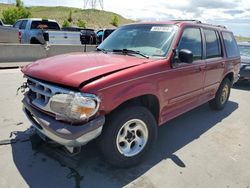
(235, 14)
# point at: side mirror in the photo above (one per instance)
(185, 56)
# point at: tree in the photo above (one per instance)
(19, 3)
(81, 23)
(70, 19)
(65, 23)
(11, 15)
(115, 21)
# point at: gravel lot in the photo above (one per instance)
(201, 148)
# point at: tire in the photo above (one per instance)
(34, 41)
(128, 148)
(222, 95)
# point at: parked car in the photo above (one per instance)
(40, 31)
(245, 60)
(140, 77)
(88, 36)
(103, 34)
(3, 24)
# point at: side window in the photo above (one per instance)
(191, 40)
(23, 24)
(213, 48)
(230, 45)
(17, 24)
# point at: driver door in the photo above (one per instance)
(185, 81)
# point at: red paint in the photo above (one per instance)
(177, 89)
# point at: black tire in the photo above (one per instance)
(217, 103)
(34, 41)
(113, 126)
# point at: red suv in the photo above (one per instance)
(140, 77)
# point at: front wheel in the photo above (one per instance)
(222, 95)
(128, 135)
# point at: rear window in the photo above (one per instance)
(23, 24)
(230, 45)
(88, 32)
(45, 25)
(212, 44)
(17, 24)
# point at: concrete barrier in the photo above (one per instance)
(32, 52)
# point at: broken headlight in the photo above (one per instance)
(74, 106)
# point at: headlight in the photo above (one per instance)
(74, 106)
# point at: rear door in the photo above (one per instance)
(215, 63)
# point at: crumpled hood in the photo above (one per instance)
(74, 68)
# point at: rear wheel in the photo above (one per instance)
(128, 135)
(34, 41)
(221, 96)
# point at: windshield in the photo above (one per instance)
(149, 39)
(244, 50)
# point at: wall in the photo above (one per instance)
(32, 52)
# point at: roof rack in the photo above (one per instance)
(199, 22)
(221, 26)
(195, 21)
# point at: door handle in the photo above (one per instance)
(222, 64)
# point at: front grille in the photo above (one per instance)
(40, 93)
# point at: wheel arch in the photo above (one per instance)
(149, 101)
(230, 76)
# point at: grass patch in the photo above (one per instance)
(93, 18)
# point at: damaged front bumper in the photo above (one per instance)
(63, 133)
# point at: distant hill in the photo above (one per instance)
(242, 39)
(93, 18)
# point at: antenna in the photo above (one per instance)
(93, 4)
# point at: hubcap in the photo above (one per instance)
(132, 137)
(224, 94)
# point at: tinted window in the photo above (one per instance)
(23, 24)
(45, 25)
(17, 24)
(212, 44)
(107, 32)
(230, 45)
(191, 40)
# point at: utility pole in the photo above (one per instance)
(93, 4)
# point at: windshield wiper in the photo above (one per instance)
(127, 51)
(101, 50)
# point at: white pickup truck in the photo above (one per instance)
(8, 34)
(40, 31)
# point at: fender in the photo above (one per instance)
(113, 98)
(232, 67)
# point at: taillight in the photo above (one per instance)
(19, 36)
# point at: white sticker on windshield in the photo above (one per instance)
(161, 29)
